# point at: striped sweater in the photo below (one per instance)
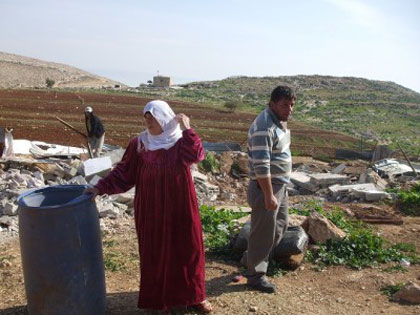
(269, 149)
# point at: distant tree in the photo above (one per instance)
(149, 82)
(232, 105)
(49, 82)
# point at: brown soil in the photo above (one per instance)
(32, 114)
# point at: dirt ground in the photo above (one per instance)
(335, 290)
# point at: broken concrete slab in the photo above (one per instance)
(370, 176)
(125, 198)
(98, 166)
(107, 209)
(339, 169)
(340, 189)
(114, 155)
(10, 209)
(303, 180)
(327, 179)
(391, 168)
(78, 180)
(94, 180)
(375, 195)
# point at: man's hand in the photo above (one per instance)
(183, 121)
(91, 190)
(271, 202)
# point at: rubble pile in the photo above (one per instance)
(23, 173)
(47, 165)
(350, 182)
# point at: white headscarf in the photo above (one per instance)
(165, 116)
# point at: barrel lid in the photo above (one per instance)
(53, 197)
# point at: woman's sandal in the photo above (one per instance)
(203, 307)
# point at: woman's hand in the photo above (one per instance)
(183, 121)
(91, 190)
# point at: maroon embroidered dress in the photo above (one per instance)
(167, 220)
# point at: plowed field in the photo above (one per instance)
(32, 114)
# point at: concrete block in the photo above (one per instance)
(10, 209)
(114, 155)
(108, 210)
(327, 179)
(99, 166)
(303, 180)
(345, 189)
(375, 195)
(125, 198)
(95, 179)
(78, 180)
(339, 169)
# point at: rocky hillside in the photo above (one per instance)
(23, 72)
(370, 110)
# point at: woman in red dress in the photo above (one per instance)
(168, 224)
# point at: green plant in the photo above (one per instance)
(232, 105)
(109, 243)
(390, 290)
(360, 248)
(307, 208)
(8, 257)
(274, 269)
(396, 268)
(218, 225)
(113, 262)
(49, 82)
(409, 200)
(209, 164)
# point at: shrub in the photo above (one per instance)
(409, 200)
(209, 164)
(49, 82)
(233, 105)
(218, 225)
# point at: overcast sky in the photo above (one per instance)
(130, 40)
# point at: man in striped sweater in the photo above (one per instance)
(270, 164)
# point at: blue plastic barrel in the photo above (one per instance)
(61, 249)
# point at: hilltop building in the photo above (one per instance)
(161, 81)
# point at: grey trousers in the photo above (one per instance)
(96, 145)
(267, 229)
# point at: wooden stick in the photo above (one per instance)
(71, 127)
(406, 157)
(79, 132)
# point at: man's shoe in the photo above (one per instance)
(263, 285)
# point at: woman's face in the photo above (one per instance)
(152, 125)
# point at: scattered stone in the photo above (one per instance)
(409, 293)
(10, 209)
(339, 169)
(253, 309)
(320, 229)
(5, 263)
(225, 162)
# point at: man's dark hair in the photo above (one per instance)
(282, 92)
